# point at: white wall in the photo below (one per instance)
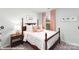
(9, 18)
(69, 30)
(40, 18)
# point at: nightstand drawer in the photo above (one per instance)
(16, 39)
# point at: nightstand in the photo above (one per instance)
(16, 39)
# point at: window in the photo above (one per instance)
(48, 21)
(47, 24)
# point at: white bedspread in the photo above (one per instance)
(38, 38)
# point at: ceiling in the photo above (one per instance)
(36, 10)
(39, 10)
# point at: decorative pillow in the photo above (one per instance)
(35, 29)
(40, 30)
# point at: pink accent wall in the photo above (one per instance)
(53, 20)
(44, 20)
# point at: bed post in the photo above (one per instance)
(45, 41)
(22, 28)
(59, 35)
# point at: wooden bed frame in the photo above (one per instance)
(46, 39)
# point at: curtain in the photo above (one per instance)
(52, 20)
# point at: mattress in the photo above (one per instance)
(38, 38)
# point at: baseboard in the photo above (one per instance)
(74, 44)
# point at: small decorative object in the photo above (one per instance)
(69, 19)
(72, 18)
(63, 18)
(17, 33)
(1, 27)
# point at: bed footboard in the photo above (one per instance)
(47, 39)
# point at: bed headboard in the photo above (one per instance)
(23, 29)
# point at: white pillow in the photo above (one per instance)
(29, 28)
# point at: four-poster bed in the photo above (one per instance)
(47, 38)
